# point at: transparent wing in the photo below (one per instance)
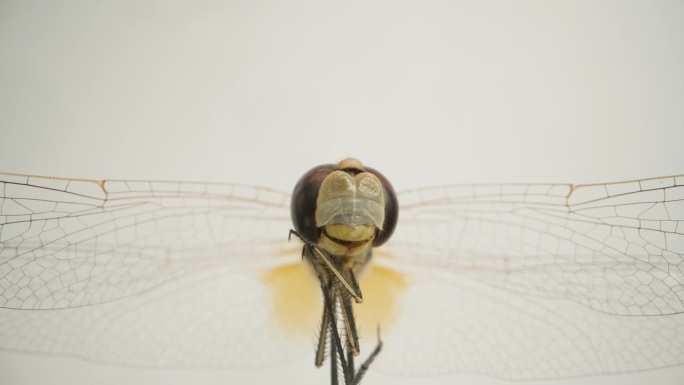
(526, 281)
(540, 281)
(130, 270)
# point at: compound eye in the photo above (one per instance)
(304, 197)
(391, 209)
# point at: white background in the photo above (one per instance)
(258, 92)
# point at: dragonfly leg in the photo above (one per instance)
(350, 361)
(363, 369)
(322, 338)
(338, 288)
(332, 267)
(349, 323)
(329, 288)
(333, 363)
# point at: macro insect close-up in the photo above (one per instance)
(569, 280)
(236, 193)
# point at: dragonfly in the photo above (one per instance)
(514, 281)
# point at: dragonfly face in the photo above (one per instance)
(517, 281)
(345, 209)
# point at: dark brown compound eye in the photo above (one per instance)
(391, 209)
(305, 194)
(303, 205)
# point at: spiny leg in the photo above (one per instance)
(333, 362)
(363, 369)
(329, 300)
(351, 278)
(329, 289)
(353, 377)
(345, 276)
(332, 267)
(336, 350)
(349, 323)
(330, 296)
(322, 338)
(350, 361)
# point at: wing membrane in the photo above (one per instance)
(617, 248)
(69, 243)
(540, 281)
(469, 326)
(514, 281)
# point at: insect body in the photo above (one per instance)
(517, 281)
(345, 211)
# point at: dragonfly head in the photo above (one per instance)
(347, 201)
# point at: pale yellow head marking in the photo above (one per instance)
(350, 163)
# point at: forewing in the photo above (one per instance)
(141, 273)
(69, 243)
(541, 281)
